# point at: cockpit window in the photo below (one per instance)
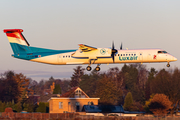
(162, 52)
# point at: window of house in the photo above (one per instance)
(77, 104)
(77, 107)
(89, 103)
(69, 103)
(78, 94)
(60, 105)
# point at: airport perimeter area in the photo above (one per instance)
(76, 116)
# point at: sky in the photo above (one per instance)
(63, 24)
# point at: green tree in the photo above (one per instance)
(47, 107)
(30, 107)
(128, 101)
(151, 76)
(107, 91)
(9, 87)
(89, 83)
(76, 77)
(2, 106)
(41, 108)
(169, 84)
(18, 107)
(130, 76)
(57, 89)
(51, 79)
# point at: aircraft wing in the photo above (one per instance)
(86, 48)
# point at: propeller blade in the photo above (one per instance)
(121, 47)
(113, 45)
(113, 51)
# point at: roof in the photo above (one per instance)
(71, 92)
(45, 98)
(33, 99)
(102, 109)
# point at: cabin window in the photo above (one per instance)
(126, 54)
(63, 56)
(129, 54)
(134, 54)
(123, 54)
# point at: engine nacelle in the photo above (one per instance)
(94, 54)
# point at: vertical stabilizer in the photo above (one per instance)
(18, 42)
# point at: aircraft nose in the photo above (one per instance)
(175, 59)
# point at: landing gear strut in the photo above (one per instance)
(168, 65)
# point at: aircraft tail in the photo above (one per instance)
(17, 41)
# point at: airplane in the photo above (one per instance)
(84, 55)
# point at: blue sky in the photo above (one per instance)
(60, 24)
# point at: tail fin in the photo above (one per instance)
(18, 42)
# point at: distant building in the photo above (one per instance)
(71, 101)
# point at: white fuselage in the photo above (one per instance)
(122, 56)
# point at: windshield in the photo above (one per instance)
(162, 52)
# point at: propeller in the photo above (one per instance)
(114, 51)
(121, 47)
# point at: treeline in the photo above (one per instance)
(114, 85)
(133, 86)
(18, 92)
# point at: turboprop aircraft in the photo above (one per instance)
(84, 55)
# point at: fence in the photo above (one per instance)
(34, 116)
(75, 116)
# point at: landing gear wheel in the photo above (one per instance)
(97, 69)
(88, 68)
(168, 65)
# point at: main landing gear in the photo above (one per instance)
(97, 68)
(88, 68)
(168, 65)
